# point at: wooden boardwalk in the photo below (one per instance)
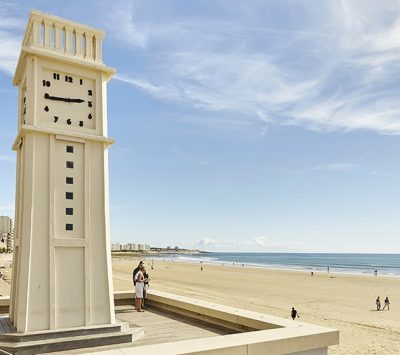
(162, 326)
(159, 327)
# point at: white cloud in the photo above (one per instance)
(10, 47)
(259, 241)
(337, 72)
(336, 167)
(229, 242)
(7, 158)
(122, 19)
(11, 31)
(207, 241)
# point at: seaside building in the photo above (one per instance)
(116, 247)
(130, 247)
(6, 233)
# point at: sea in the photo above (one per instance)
(365, 264)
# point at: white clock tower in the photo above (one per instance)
(62, 262)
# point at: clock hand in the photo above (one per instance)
(75, 100)
(47, 96)
(66, 99)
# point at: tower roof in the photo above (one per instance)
(63, 40)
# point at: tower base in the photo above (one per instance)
(66, 339)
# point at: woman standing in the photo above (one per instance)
(139, 285)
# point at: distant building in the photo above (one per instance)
(116, 246)
(130, 247)
(6, 233)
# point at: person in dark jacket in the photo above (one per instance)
(294, 314)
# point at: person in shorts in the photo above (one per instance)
(387, 303)
(378, 303)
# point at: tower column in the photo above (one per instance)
(62, 267)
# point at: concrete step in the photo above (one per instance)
(69, 343)
(53, 334)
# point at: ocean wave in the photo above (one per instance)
(361, 264)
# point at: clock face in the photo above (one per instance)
(67, 99)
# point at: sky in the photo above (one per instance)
(264, 126)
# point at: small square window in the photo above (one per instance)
(69, 195)
(69, 227)
(70, 164)
(70, 149)
(69, 211)
(69, 180)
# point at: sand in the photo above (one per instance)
(344, 302)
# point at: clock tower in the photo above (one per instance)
(62, 263)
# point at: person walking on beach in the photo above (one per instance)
(294, 314)
(139, 285)
(387, 303)
(378, 304)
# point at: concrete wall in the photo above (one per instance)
(258, 333)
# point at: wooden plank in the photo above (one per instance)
(161, 326)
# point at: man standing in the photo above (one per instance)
(145, 285)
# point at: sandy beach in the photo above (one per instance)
(344, 302)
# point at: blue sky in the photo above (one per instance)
(240, 125)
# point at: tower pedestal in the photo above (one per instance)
(68, 339)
